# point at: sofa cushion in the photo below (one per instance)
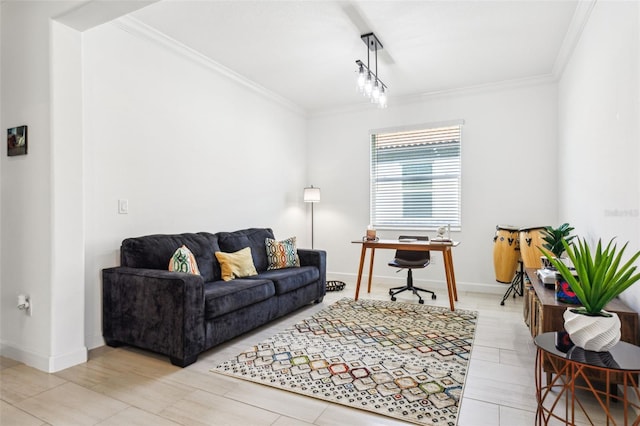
(289, 279)
(222, 297)
(282, 254)
(238, 264)
(214, 247)
(154, 251)
(252, 237)
(183, 261)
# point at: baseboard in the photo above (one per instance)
(32, 359)
(69, 359)
(95, 341)
(48, 364)
(350, 279)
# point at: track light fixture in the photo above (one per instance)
(368, 82)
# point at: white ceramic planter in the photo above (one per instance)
(592, 333)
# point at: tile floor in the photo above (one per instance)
(119, 386)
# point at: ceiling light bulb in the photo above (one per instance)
(375, 93)
(382, 100)
(368, 85)
(361, 77)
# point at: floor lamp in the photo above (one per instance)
(311, 195)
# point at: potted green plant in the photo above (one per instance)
(599, 278)
(553, 238)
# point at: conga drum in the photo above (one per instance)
(530, 243)
(505, 253)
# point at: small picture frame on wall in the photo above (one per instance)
(17, 141)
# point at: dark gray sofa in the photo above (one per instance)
(181, 315)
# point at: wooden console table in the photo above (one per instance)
(545, 312)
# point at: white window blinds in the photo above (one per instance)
(415, 178)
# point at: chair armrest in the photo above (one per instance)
(153, 309)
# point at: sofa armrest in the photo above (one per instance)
(153, 309)
(316, 258)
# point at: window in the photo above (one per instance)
(415, 178)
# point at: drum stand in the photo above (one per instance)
(517, 285)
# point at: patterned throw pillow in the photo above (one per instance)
(183, 261)
(282, 254)
(238, 264)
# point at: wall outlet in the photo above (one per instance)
(24, 304)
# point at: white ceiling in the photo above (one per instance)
(305, 51)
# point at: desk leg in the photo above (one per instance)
(448, 269)
(363, 253)
(373, 253)
(447, 272)
(453, 275)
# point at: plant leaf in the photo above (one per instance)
(601, 276)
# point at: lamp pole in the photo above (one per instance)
(311, 195)
(312, 225)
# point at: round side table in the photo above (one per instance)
(570, 368)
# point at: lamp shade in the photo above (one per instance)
(311, 195)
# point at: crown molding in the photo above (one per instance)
(141, 30)
(571, 38)
(427, 96)
(480, 88)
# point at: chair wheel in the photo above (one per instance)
(433, 296)
(421, 302)
(393, 299)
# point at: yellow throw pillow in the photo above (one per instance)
(236, 265)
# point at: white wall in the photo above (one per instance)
(25, 265)
(114, 116)
(67, 203)
(599, 122)
(508, 175)
(40, 200)
(188, 148)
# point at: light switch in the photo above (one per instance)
(123, 206)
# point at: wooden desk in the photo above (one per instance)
(445, 248)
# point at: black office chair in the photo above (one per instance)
(408, 259)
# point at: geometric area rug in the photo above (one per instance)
(396, 359)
